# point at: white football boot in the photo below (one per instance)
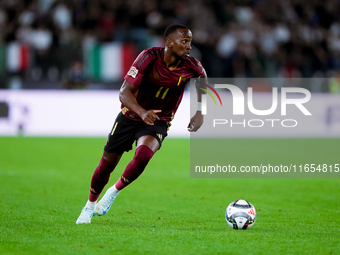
(103, 206)
(85, 215)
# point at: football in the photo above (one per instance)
(240, 214)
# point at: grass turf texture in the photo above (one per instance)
(45, 182)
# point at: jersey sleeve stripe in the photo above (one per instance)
(153, 53)
(141, 60)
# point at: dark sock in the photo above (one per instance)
(100, 178)
(135, 168)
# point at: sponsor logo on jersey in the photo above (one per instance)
(133, 72)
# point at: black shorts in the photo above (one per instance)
(125, 131)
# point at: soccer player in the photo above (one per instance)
(150, 95)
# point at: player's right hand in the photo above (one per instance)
(149, 117)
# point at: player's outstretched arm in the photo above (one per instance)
(197, 120)
(126, 97)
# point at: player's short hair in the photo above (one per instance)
(172, 28)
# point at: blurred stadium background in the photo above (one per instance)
(55, 54)
(83, 44)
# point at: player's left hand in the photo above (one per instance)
(149, 117)
(195, 122)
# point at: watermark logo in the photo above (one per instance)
(204, 97)
(240, 101)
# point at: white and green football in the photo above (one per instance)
(240, 214)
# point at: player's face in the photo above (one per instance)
(182, 43)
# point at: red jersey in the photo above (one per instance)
(158, 87)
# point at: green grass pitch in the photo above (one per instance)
(44, 184)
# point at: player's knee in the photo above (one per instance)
(105, 166)
(143, 154)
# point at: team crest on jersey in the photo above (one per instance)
(133, 72)
(156, 76)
